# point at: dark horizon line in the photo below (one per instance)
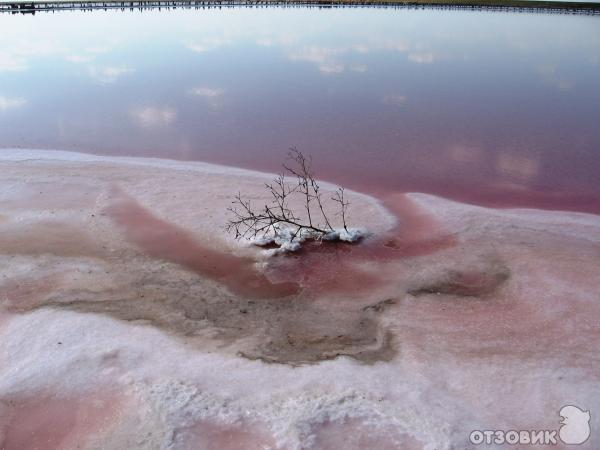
(565, 7)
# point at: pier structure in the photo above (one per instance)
(558, 7)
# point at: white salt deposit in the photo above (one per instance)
(290, 239)
(498, 331)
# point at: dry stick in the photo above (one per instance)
(318, 197)
(246, 222)
(303, 175)
(339, 198)
(306, 176)
(269, 217)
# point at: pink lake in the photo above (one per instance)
(492, 108)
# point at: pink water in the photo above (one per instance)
(491, 108)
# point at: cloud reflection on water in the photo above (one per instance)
(10, 62)
(335, 83)
(108, 74)
(154, 116)
(7, 103)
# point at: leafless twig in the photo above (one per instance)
(273, 218)
(339, 198)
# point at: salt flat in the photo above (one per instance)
(130, 319)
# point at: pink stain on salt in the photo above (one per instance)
(417, 233)
(208, 435)
(355, 434)
(52, 422)
(43, 196)
(327, 435)
(23, 293)
(321, 267)
(335, 267)
(162, 239)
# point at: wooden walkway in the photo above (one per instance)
(559, 7)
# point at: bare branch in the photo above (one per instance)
(304, 175)
(339, 198)
(246, 222)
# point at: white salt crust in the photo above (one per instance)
(436, 390)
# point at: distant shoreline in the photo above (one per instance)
(25, 6)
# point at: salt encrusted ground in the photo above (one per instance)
(129, 319)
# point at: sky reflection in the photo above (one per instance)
(496, 108)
